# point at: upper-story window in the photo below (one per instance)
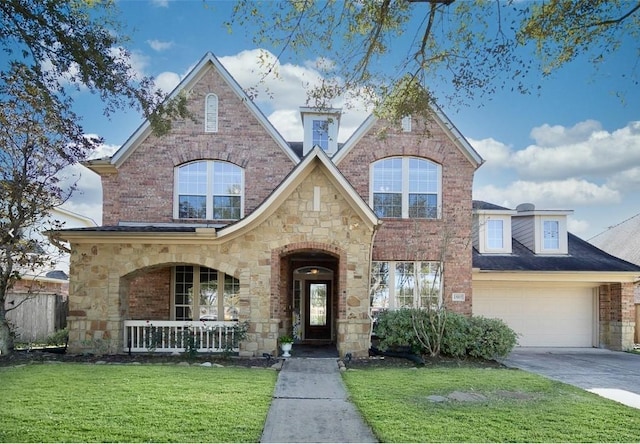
(495, 234)
(211, 114)
(321, 134)
(406, 187)
(551, 234)
(209, 189)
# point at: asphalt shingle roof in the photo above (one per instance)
(582, 257)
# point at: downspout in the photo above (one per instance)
(373, 237)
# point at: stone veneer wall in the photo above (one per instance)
(617, 316)
(102, 273)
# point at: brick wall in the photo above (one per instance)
(142, 190)
(420, 239)
(149, 295)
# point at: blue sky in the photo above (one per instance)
(575, 145)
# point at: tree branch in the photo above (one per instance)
(618, 20)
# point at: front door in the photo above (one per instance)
(317, 309)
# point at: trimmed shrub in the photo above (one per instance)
(492, 338)
(395, 330)
(463, 336)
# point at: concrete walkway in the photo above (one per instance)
(310, 405)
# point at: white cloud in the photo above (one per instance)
(160, 3)
(579, 153)
(287, 84)
(167, 81)
(158, 45)
(626, 180)
(559, 194)
(547, 135)
(577, 226)
(496, 154)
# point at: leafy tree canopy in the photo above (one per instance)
(474, 47)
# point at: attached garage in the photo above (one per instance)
(544, 315)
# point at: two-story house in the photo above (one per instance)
(553, 288)
(222, 222)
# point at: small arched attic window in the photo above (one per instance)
(211, 113)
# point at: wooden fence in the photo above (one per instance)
(37, 317)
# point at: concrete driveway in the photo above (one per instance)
(613, 375)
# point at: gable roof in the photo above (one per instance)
(582, 257)
(207, 62)
(315, 157)
(438, 116)
(622, 240)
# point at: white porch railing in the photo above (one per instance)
(175, 336)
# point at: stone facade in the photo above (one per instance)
(105, 276)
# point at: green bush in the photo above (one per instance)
(395, 330)
(463, 336)
(456, 338)
(60, 337)
(491, 338)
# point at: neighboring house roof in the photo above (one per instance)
(582, 257)
(438, 116)
(481, 205)
(194, 75)
(622, 240)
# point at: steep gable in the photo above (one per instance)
(139, 182)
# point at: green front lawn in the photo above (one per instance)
(517, 407)
(126, 403)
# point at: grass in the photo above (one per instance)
(125, 403)
(519, 407)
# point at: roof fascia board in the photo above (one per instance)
(544, 213)
(196, 73)
(456, 136)
(593, 277)
(440, 118)
(355, 138)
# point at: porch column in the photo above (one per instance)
(617, 316)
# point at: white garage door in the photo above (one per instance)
(543, 316)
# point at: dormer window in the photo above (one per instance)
(211, 114)
(209, 189)
(320, 129)
(321, 134)
(551, 232)
(495, 234)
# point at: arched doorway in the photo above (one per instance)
(312, 283)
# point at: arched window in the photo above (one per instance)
(211, 114)
(406, 187)
(209, 189)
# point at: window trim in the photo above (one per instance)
(209, 194)
(506, 234)
(543, 248)
(214, 125)
(405, 186)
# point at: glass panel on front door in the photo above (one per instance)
(318, 304)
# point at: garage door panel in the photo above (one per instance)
(542, 316)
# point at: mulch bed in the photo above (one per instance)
(38, 356)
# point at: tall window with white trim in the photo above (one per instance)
(211, 113)
(209, 189)
(406, 187)
(551, 234)
(495, 234)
